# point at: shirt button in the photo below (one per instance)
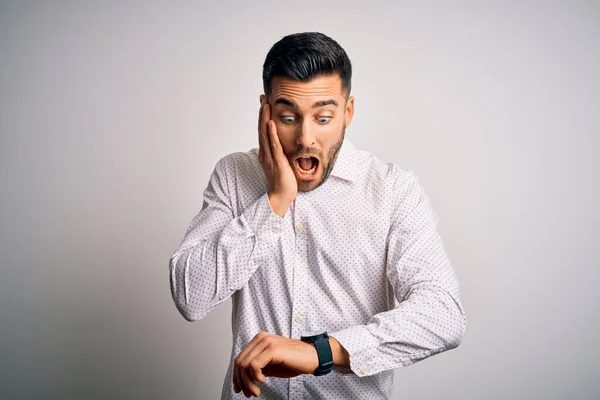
(405, 361)
(298, 318)
(300, 227)
(364, 370)
(276, 230)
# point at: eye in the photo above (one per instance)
(325, 119)
(287, 119)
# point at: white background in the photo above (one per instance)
(113, 115)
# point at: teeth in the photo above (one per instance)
(303, 172)
(309, 172)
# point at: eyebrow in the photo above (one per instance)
(318, 104)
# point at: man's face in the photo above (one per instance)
(311, 119)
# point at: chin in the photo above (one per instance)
(307, 186)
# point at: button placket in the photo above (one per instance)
(300, 279)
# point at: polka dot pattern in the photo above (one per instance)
(359, 257)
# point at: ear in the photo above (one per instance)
(349, 112)
(261, 98)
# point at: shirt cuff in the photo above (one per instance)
(262, 220)
(359, 343)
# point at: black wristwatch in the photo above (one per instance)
(321, 342)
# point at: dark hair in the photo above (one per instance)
(305, 56)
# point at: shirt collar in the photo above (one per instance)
(345, 166)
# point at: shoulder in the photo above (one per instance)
(242, 172)
(385, 174)
(238, 162)
(396, 186)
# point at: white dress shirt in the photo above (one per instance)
(359, 257)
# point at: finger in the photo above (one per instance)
(266, 358)
(248, 364)
(237, 387)
(237, 375)
(250, 387)
(260, 113)
(261, 150)
(264, 135)
(238, 384)
(256, 366)
(240, 362)
(249, 347)
(276, 148)
(241, 384)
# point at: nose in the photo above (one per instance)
(305, 136)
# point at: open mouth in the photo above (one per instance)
(306, 166)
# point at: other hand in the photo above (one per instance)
(271, 355)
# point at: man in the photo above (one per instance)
(331, 257)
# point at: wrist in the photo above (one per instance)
(279, 205)
(314, 355)
(341, 357)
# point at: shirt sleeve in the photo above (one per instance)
(428, 317)
(220, 252)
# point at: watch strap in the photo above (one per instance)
(321, 343)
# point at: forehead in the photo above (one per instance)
(306, 93)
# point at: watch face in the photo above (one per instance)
(315, 336)
(312, 333)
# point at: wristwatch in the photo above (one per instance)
(321, 342)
